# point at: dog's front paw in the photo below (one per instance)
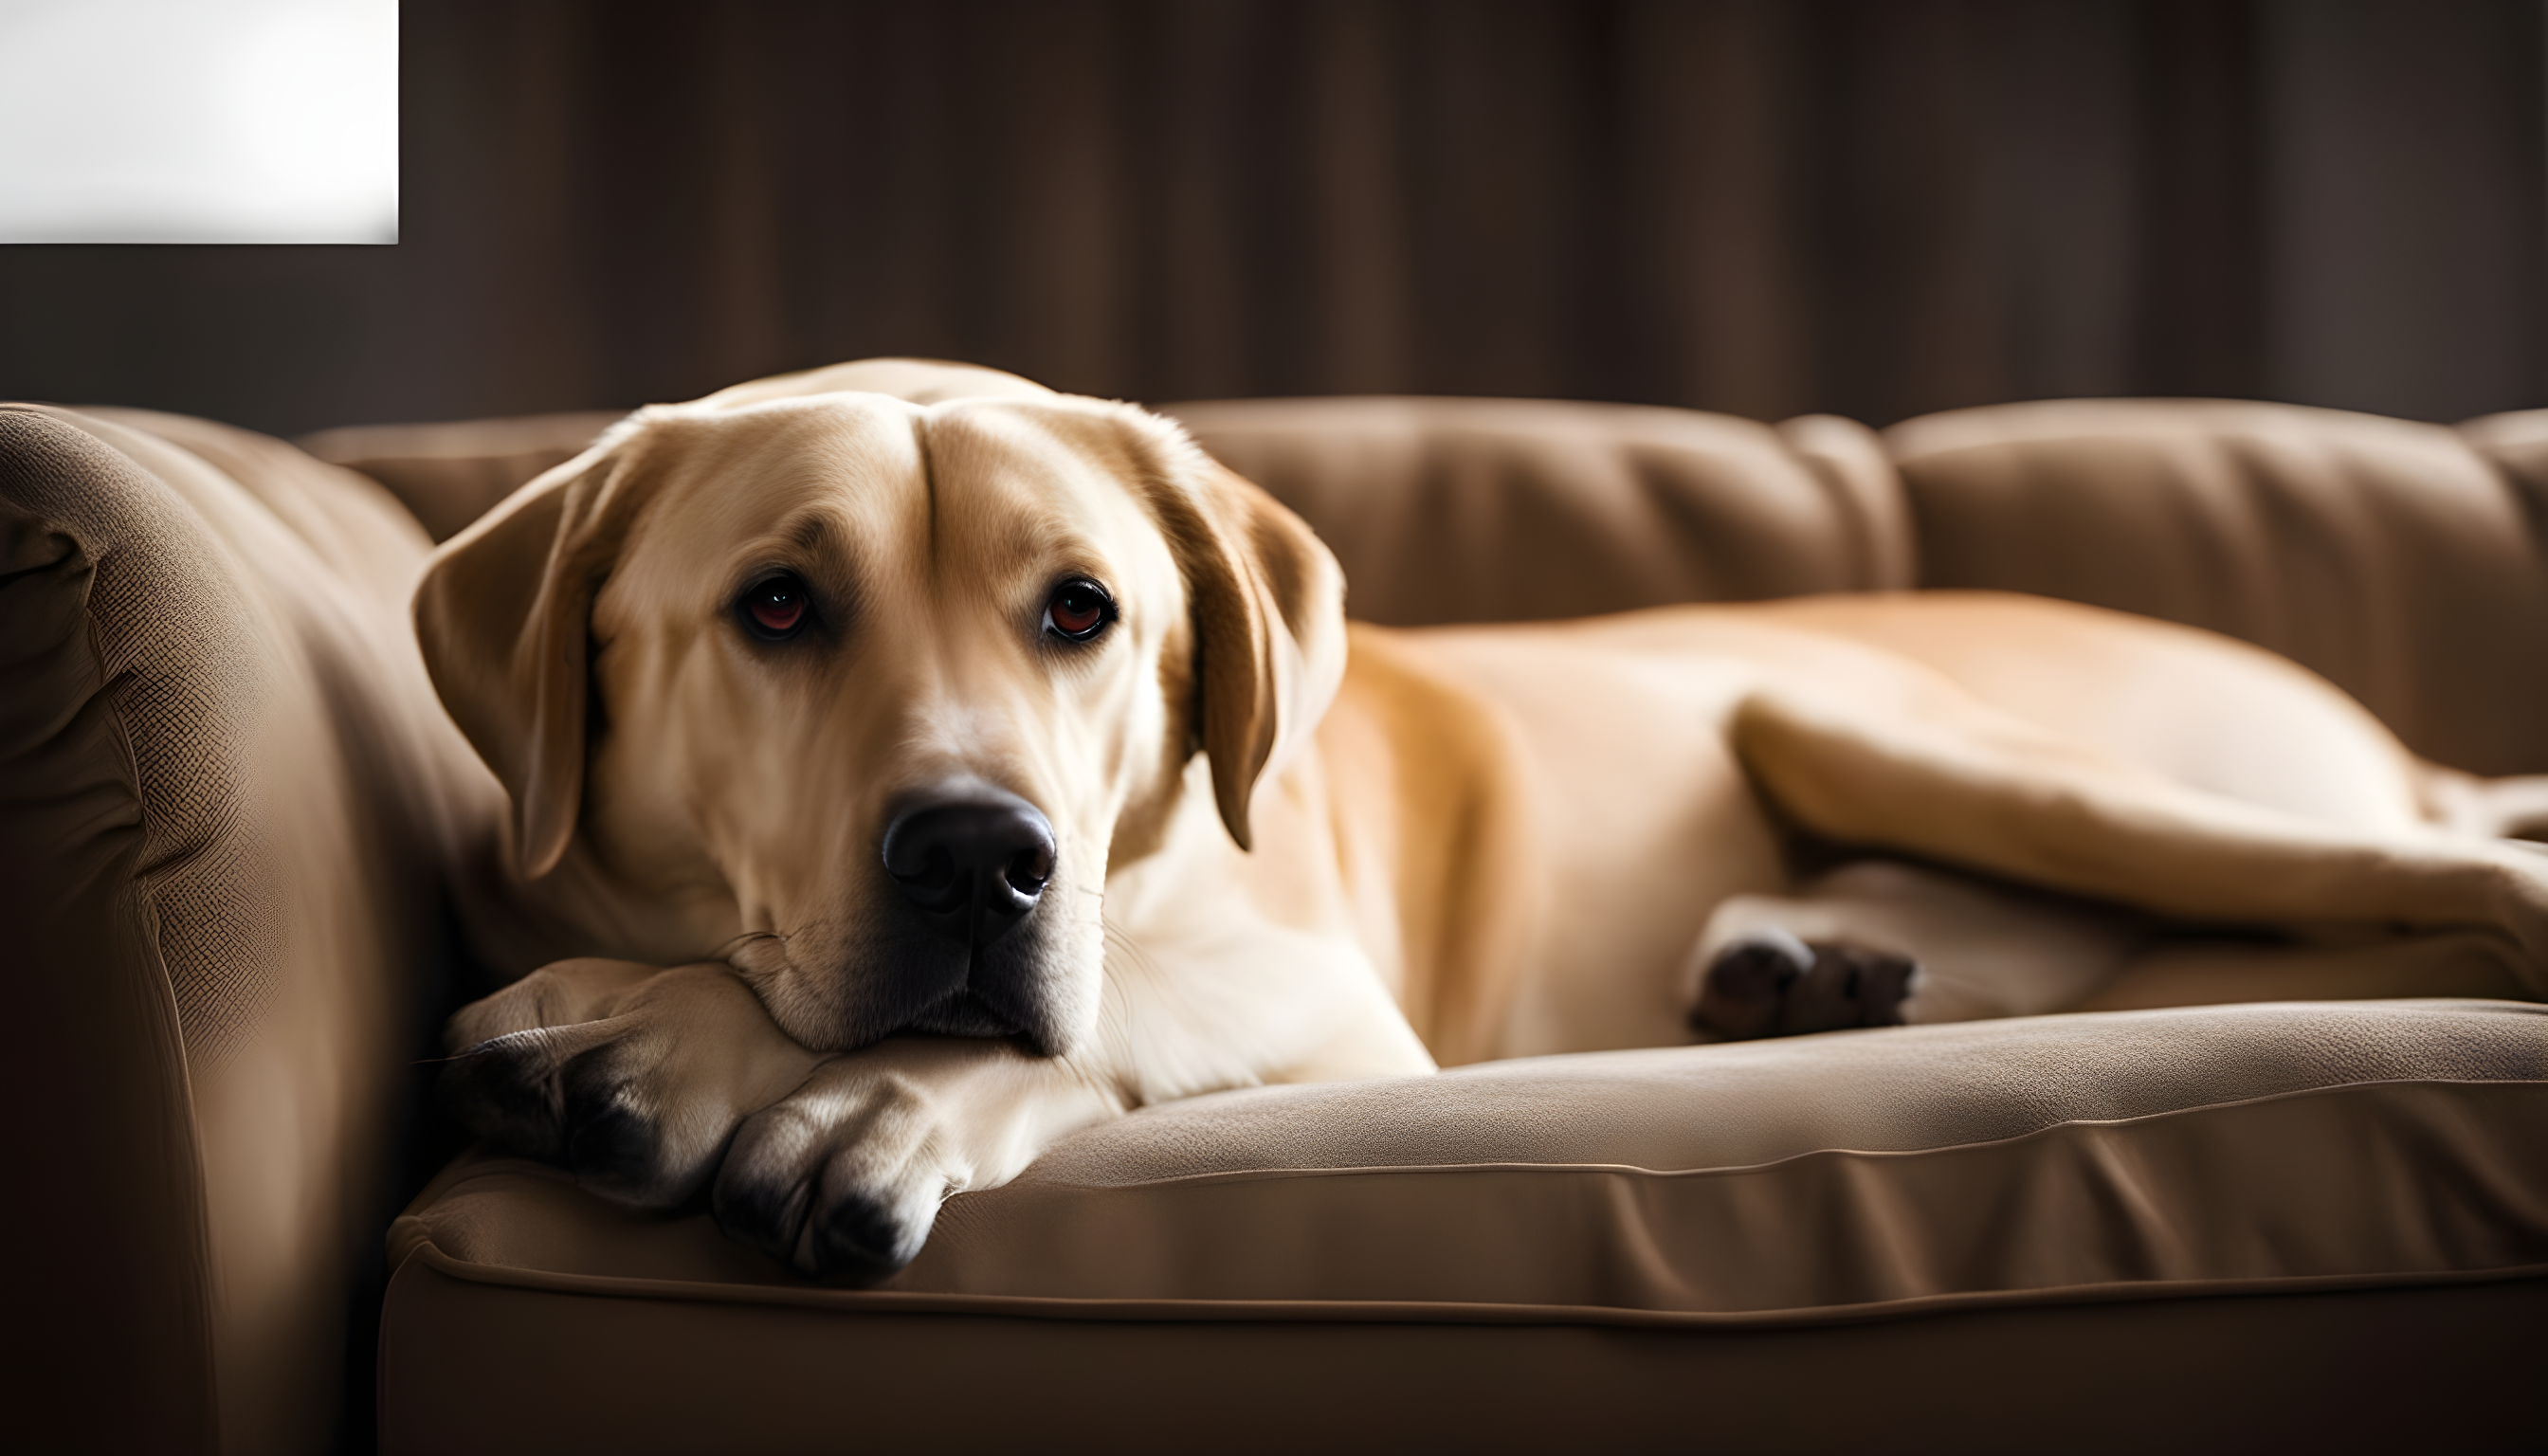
(635, 1089)
(842, 1179)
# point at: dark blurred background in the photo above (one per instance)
(1879, 207)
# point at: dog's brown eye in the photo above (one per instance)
(773, 608)
(1078, 611)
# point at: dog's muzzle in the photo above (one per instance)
(974, 862)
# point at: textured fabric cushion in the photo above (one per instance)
(2016, 1169)
(1485, 510)
(2396, 558)
(225, 786)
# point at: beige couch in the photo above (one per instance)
(239, 845)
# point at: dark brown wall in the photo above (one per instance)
(1879, 207)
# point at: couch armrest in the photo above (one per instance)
(108, 1286)
(226, 795)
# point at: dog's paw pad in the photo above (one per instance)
(1745, 986)
(1849, 986)
(1773, 984)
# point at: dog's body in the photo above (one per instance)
(879, 721)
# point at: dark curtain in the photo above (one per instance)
(1879, 209)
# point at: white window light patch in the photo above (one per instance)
(199, 121)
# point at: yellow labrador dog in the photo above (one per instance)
(947, 763)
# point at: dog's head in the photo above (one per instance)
(866, 695)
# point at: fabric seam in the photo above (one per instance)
(1413, 1312)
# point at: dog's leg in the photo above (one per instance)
(1986, 950)
(2495, 808)
(843, 1177)
(629, 1076)
(1949, 778)
(558, 994)
(1841, 951)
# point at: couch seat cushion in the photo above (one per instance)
(1989, 1159)
(2031, 1171)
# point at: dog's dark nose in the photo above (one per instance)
(974, 862)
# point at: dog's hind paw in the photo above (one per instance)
(1770, 983)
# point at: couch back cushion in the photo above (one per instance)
(225, 788)
(448, 475)
(2403, 561)
(1485, 510)
(1441, 510)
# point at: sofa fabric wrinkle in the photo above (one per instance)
(2080, 1204)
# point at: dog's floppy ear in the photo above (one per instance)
(503, 612)
(1267, 599)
